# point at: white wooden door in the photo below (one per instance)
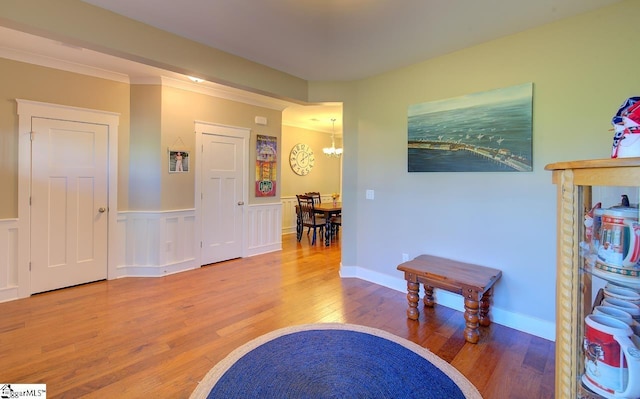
(223, 192)
(69, 193)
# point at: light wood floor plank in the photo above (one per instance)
(157, 337)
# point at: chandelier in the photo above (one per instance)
(333, 151)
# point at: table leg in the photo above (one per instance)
(484, 308)
(428, 296)
(471, 333)
(413, 296)
(327, 229)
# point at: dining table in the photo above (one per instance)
(328, 209)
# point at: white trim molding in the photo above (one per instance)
(26, 111)
(8, 259)
(530, 325)
(264, 228)
(201, 129)
(155, 244)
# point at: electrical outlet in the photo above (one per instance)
(405, 257)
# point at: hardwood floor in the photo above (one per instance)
(157, 337)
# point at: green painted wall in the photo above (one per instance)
(324, 177)
(30, 82)
(82, 24)
(582, 69)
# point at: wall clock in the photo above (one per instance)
(301, 159)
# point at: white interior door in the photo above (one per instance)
(223, 192)
(69, 197)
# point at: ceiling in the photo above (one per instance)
(344, 39)
(312, 39)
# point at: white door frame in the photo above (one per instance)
(26, 111)
(233, 131)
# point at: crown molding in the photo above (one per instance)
(206, 88)
(55, 63)
(305, 127)
(225, 92)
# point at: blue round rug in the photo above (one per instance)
(333, 361)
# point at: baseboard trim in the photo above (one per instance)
(156, 270)
(8, 294)
(263, 249)
(530, 325)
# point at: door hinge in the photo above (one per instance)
(29, 266)
(29, 201)
(31, 135)
(200, 244)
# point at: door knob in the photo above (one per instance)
(102, 209)
(240, 202)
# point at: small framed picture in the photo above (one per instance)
(178, 161)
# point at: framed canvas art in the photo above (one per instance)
(178, 161)
(266, 165)
(489, 131)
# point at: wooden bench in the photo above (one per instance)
(473, 282)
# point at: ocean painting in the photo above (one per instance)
(482, 132)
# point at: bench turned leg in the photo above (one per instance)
(428, 296)
(471, 333)
(413, 296)
(484, 308)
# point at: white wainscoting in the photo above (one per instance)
(264, 228)
(289, 212)
(153, 244)
(160, 243)
(8, 259)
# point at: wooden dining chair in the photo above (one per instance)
(317, 199)
(307, 217)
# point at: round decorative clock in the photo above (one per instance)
(301, 159)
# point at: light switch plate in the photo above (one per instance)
(369, 194)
